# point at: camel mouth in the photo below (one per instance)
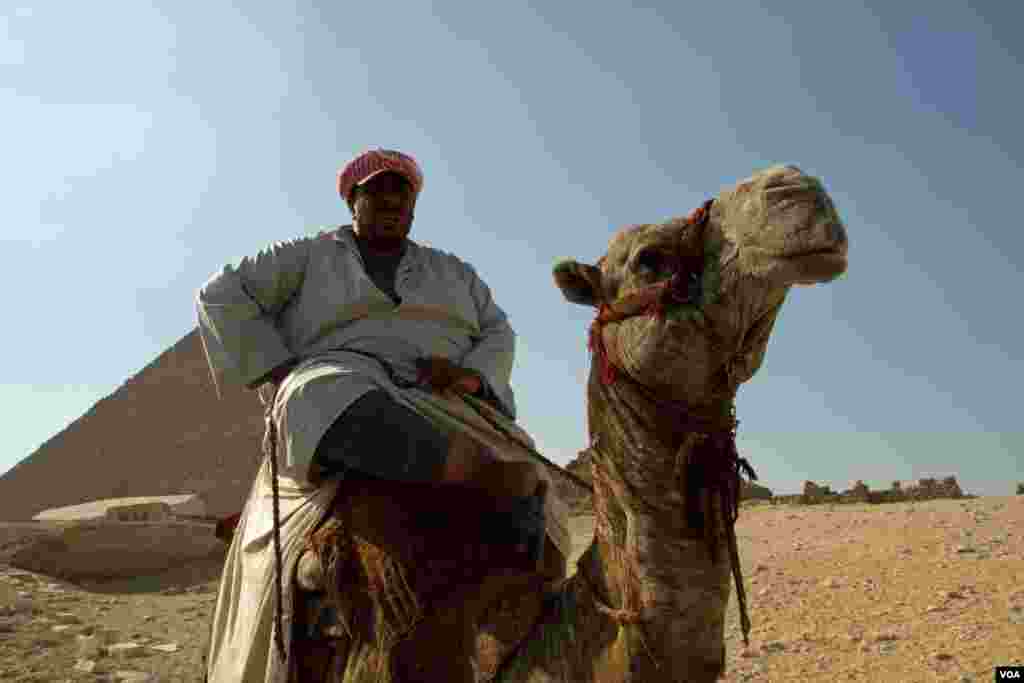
(820, 265)
(825, 260)
(837, 253)
(834, 250)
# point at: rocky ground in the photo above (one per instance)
(143, 629)
(906, 592)
(930, 591)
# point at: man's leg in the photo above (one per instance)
(385, 439)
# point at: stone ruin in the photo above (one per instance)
(751, 491)
(136, 509)
(140, 512)
(923, 489)
(120, 537)
(814, 494)
(928, 489)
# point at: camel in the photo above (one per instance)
(684, 312)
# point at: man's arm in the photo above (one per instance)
(237, 311)
(493, 354)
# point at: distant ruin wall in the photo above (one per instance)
(922, 489)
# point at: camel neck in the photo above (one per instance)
(646, 556)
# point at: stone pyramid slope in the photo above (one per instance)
(163, 432)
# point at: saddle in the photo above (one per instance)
(401, 578)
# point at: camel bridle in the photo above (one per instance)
(709, 452)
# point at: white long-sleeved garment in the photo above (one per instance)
(309, 300)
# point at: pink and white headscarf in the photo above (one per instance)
(373, 163)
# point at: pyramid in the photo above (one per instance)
(163, 432)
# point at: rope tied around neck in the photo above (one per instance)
(712, 465)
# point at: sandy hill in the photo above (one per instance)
(163, 432)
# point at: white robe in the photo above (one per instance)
(304, 300)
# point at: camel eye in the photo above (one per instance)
(650, 260)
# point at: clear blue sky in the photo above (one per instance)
(147, 144)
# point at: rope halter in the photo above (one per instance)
(710, 455)
(655, 300)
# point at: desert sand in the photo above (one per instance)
(930, 591)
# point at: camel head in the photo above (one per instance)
(732, 271)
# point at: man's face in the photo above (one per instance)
(383, 211)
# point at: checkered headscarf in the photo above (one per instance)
(377, 161)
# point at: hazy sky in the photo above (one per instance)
(145, 145)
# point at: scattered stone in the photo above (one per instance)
(953, 595)
(42, 642)
(107, 636)
(89, 647)
(166, 647)
(964, 549)
(885, 636)
(125, 650)
(22, 605)
(886, 648)
(830, 582)
(133, 676)
(773, 646)
(942, 656)
(1017, 615)
(932, 609)
(86, 666)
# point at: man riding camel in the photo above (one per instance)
(367, 345)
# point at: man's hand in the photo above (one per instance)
(442, 375)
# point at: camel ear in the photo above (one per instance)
(580, 283)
